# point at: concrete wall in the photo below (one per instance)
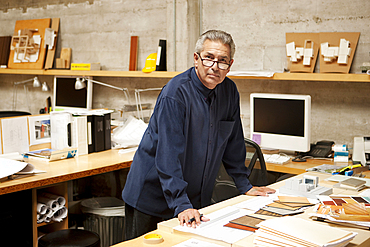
(99, 31)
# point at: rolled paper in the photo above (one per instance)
(51, 200)
(41, 208)
(60, 214)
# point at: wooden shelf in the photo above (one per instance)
(168, 74)
(60, 189)
(103, 73)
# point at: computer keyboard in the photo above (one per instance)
(276, 158)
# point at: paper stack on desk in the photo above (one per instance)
(352, 184)
(286, 205)
(292, 231)
(9, 168)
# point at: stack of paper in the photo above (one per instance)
(292, 231)
(246, 222)
(286, 205)
(353, 184)
(13, 167)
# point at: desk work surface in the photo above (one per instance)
(297, 167)
(301, 167)
(69, 169)
(362, 238)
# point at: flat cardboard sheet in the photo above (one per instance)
(40, 25)
(299, 40)
(333, 38)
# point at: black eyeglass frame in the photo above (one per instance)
(213, 62)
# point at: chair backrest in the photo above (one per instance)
(225, 187)
(256, 164)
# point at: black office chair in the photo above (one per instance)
(225, 187)
(13, 113)
(259, 175)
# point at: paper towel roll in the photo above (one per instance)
(368, 72)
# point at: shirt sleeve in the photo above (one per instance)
(170, 154)
(235, 153)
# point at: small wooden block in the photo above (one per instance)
(60, 63)
(66, 54)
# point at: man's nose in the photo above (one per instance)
(215, 65)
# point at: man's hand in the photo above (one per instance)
(260, 191)
(191, 218)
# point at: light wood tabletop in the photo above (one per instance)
(170, 236)
(68, 169)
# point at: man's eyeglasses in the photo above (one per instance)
(210, 63)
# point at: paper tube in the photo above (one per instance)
(41, 208)
(52, 201)
(60, 214)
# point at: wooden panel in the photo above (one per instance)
(34, 218)
(60, 189)
(65, 55)
(4, 49)
(51, 52)
(133, 53)
(299, 40)
(333, 39)
(40, 25)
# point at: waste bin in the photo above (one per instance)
(105, 216)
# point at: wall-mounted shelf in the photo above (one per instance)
(167, 74)
(103, 73)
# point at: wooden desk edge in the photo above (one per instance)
(63, 178)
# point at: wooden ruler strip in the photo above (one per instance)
(51, 52)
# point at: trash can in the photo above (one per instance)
(105, 216)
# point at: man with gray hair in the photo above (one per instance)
(194, 128)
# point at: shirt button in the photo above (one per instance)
(211, 125)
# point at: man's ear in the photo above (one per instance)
(231, 63)
(196, 60)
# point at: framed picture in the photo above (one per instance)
(39, 129)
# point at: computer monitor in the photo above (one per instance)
(281, 121)
(66, 97)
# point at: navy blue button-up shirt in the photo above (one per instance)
(192, 130)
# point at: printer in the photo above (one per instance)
(361, 150)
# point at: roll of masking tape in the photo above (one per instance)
(153, 238)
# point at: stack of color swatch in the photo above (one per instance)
(293, 231)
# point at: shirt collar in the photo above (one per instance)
(206, 92)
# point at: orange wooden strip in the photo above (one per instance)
(133, 53)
